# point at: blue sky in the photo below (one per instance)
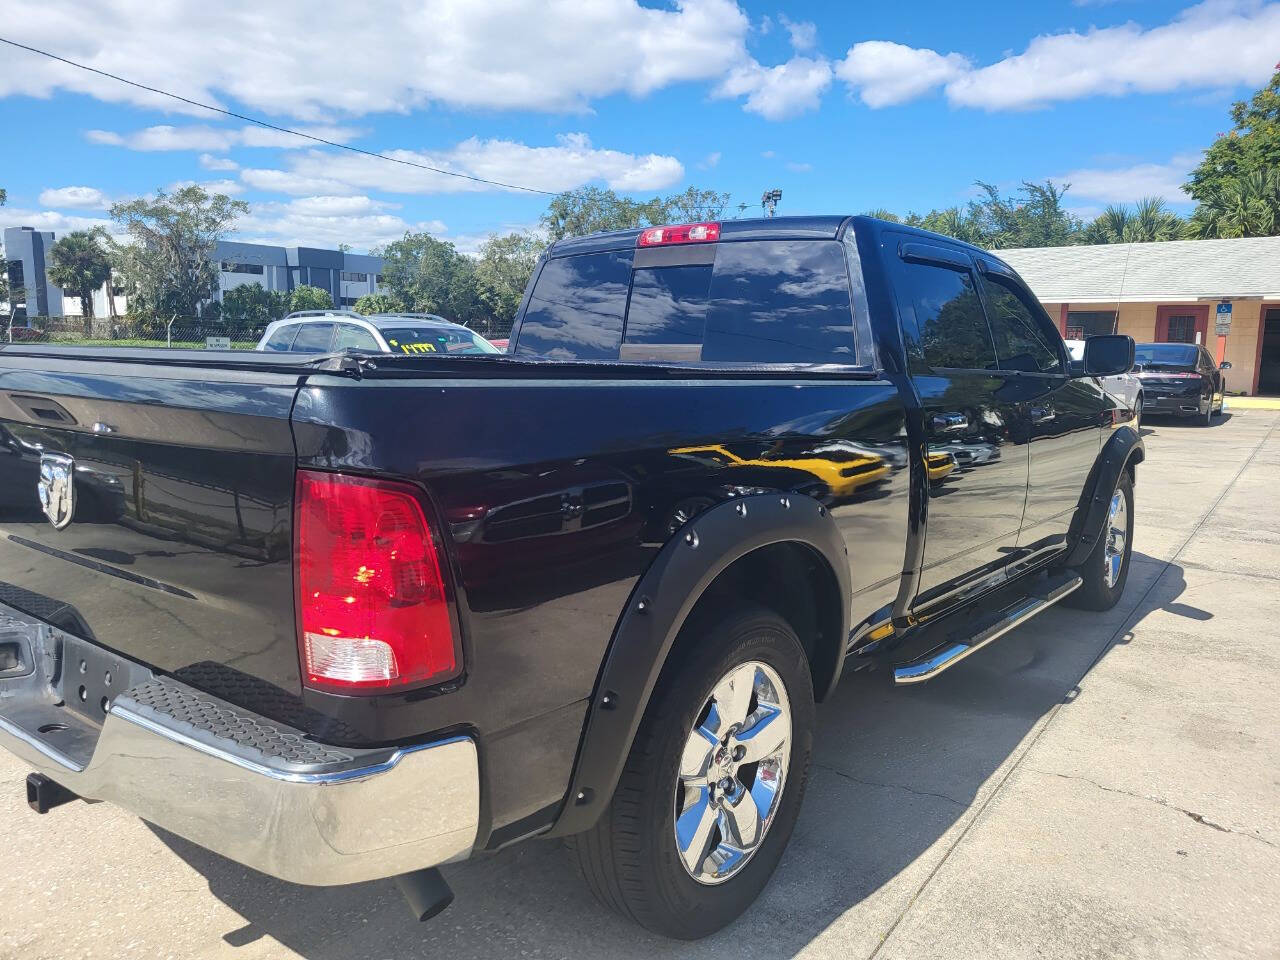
(844, 106)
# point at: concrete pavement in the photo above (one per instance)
(1089, 786)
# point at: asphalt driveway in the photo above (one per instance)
(1090, 786)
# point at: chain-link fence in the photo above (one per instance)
(187, 333)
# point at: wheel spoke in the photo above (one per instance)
(742, 819)
(768, 733)
(693, 830)
(695, 760)
(733, 695)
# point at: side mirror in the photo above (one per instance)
(1225, 365)
(1108, 356)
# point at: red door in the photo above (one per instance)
(1181, 323)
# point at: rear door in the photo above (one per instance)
(976, 454)
(1064, 415)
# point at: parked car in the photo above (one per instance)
(499, 597)
(1181, 380)
(1125, 387)
(321, 331)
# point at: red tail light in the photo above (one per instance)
(372, 608)
(684, 233)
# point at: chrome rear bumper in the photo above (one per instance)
(246, 787)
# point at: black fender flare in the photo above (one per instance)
(656, 610)
(1123, 448)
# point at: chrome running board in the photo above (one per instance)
(952, 652)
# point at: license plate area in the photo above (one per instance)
(93, 677)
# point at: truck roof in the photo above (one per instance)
(823, 227)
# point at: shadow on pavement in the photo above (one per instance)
(894, 771)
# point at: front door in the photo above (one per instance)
(976, 451)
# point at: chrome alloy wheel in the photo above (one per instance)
(1117, 534)
(732, 772)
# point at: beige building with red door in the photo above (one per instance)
(1169, 292)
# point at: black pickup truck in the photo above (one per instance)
(345, 617)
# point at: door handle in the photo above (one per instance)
(949, 423)
(1042, 414)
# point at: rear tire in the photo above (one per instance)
(632, 858)
(1104, 579)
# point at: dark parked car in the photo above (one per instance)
(1181, 380)
(354, 616)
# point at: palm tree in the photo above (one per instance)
(78, 263)
(1246, 206)
(1150, 221)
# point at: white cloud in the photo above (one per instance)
(198, 136)
(328, 221)
(572, 162)
(229, 187)
(210, 162)
(883, 73)
(59, 223)
(804, 33)
(778, 92)
(1207, 46)
(1132, 183)
(799, 167)
(710, 161)
(78, 198)
(529, 56)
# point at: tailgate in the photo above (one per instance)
(177, 549)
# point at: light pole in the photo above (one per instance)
(769, 202)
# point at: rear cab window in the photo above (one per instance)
(746, 302)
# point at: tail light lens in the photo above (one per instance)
(372, 608)
(683, 233)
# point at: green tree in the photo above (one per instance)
(372, 303)
(79, 264)
(254, 303)
(428, 275)
(1252, 144)
(880, 213)
(592, 210)
(1150, 221)
(307, 297)
(950, 222)
(168, 263)
(502, 273)
(689, 207)
(1243, 206)
(4, 274)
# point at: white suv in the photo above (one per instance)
(326, 331)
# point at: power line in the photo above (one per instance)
(276, 127)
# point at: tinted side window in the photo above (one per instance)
(951, 329)
(575, 310)
(779, 301)
(351, 337)
(667, 313)
(281, 339)
(1020, 343)
(312, 338)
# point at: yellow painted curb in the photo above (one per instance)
(1253, 403)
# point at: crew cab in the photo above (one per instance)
(339, 616)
